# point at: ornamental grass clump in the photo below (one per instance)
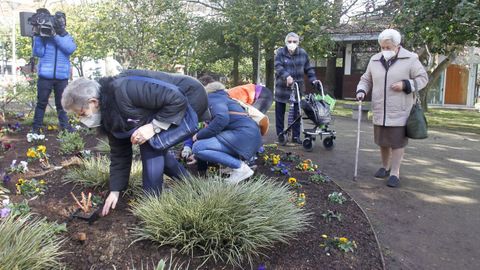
(29, 243)
(208, 218)
(95, 173)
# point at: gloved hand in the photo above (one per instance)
(61, 32)
(360, 96)
(186, 152)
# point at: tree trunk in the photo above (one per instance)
(256, 60)
(433, 76)
(235, 72)
(270, 66)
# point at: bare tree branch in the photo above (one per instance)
(217, 8)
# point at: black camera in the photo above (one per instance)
(47, 25)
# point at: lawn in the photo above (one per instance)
(438, 118)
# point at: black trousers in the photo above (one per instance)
(280, 108)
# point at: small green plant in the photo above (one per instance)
(21, 167)
(31, 188)
(29, 243)
(330, 215)
(318, 178)
(70, 142)
(229, 223)
(19, 209)
(104, 147)
(337, 197)
(291, 157)
(95, 173)
(340, 243)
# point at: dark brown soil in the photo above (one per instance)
(109, 241)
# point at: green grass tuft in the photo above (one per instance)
(95, 173)
(28, 243)
(228, 223)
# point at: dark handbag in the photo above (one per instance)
(417, 126)
(175, 133)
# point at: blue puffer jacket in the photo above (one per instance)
(238, 132)
(54, 53)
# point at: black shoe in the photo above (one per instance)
(297, 141)
(382, 173)
(393, 181)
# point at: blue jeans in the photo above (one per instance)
(155, 163)
(280, 119)
(212, 150)
(44, 88)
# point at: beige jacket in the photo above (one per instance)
(391, 108)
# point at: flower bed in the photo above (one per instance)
(338, 236)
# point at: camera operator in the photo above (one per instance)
(53, 45)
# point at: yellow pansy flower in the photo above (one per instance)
(343, 240)
(42, 182)
(21, 181)
(301, 195)
(41, 148)
(292, 180)
(31, 153)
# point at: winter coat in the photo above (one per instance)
(188, 85)
(295, 65)
(392, 108)
(127, 104)
(54, 53)
(238, 132)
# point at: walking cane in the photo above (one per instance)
(358, 139)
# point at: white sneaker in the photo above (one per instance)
(239, 174)
(226, 170)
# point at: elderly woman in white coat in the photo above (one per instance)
(393, 76)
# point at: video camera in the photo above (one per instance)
(46, 25)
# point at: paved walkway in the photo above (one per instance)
(433, 220)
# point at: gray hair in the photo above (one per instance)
(390, 34)
(78, 92)
(292, 34)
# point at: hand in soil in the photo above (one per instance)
(111, 201)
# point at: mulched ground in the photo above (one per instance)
(109, 242)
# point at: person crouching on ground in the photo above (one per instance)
(230, 136)
(131, 111)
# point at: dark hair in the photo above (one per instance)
(206, 79)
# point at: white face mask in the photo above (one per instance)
(92, 121)
(292, 46)
(388, 54)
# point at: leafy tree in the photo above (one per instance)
(439, 27)
(266, 22)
